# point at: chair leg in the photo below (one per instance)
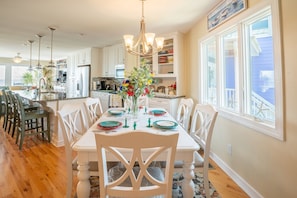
(48, 128)
(22, 133)
(206, 181)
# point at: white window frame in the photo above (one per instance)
(276, 130)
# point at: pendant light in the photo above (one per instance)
(51, 63)
(38, 66)
(30, 66)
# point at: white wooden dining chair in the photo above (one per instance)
(138, 178)
(203, 121)
(93, 110)
(184, 111)
(73, 124)
(115, 100)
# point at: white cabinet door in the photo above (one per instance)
(112, 55)
(120, 54)
(108, 69)
(84, 57)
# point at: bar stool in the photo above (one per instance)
(31, 122)
(8, 110)
(15, 116)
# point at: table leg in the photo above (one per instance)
(187, 184)
(83, 175)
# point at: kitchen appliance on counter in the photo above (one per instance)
(102, 85)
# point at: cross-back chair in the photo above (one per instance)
(184, 111)
(73, 124)
(138, 178)
(93, 110)
(203, 121)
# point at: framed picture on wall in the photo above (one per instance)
(224, 11)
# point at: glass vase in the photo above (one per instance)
(134, 107)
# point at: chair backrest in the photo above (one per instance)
(184, 111)
(143, 101)
(143, 153)
(115, 100)
(73, 124)
(93, 110)
(203, 121)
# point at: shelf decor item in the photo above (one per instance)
(135, 85)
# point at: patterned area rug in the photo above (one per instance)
(176, 189)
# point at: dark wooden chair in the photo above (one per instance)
(31, 122)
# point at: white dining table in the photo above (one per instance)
(86, 147)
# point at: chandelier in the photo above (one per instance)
(144, 45)
(51, 63)
(30, 66)
(17, 58)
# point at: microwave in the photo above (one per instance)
(120, 71)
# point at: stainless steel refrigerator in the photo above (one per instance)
(83, 80)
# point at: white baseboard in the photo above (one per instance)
(235, 177)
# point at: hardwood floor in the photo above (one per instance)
(39, 171)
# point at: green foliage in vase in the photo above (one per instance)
(137, 83)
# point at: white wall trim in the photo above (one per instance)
(235, 177)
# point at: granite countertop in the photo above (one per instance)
(45, 96)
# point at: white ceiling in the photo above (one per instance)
(89, 23)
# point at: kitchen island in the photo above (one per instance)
(53, 102)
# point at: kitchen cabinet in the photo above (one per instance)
(83, 57)
(112, 55)
(88, 56)
(169, 104)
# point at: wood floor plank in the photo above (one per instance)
(39, 170)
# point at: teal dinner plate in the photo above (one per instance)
(109, 124)
(116, 111)
(165, 124)
(157, 112)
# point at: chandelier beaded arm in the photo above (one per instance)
(144, 45)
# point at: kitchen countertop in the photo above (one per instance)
(45, 96)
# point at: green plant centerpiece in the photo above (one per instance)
(136, 84)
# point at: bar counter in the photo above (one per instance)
(52, 102)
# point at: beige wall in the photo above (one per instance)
(267, 164)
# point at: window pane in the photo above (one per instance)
(230, 71)
(260, 89)
(2, 75)
(209, 72)
(17, 73)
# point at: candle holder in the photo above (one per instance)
(134, 125)
(125, 126)
(149, 122)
